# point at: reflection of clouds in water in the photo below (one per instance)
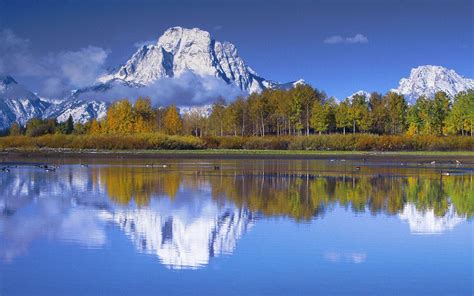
(50, 219)
(426, 222)
(36, 205)
(347, 257)
(184, 232)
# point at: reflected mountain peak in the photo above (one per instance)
(180, 242)
(427, 222)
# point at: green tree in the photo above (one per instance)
(343, 119)
(440, 111)
(320, 117)
(397, 108)
(378, 114)
(461, 117)
(359, 113)
(216, 119)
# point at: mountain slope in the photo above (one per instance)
(180, 50)
(427, 80)
(17, 104)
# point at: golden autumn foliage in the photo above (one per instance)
(172, 121)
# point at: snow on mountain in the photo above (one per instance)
(360, 93)
(204, 111)
(17, 104)
(427, 80)
(81, 111)
(180, 50)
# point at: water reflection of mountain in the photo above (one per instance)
(185, 218)
(427, 222)
(180, 240)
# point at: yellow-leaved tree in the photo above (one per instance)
(120, 118)
(172, 121)
(144, 116)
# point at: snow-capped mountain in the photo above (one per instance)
(359, 93)
(180, 50)
(427, 80)
(17, 104)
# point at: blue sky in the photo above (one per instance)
(337, 46)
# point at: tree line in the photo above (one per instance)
(302, 110)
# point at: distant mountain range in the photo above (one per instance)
(180, 51)
(427, 81)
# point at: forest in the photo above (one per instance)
(299, 118)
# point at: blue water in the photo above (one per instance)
(245, 229)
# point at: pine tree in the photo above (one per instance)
(69, 125)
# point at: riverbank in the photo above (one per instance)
(466, 157)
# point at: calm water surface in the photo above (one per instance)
(236, 227)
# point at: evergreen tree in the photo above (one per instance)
(69, 125)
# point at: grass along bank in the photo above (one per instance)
(248, 145)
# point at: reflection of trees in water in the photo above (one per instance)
(300, 196)
(125, 184)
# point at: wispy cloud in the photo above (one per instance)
(58, 72)
(338, 39)
(142, 43)
(218, 27)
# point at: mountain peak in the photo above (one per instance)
(180, 50)
(427, 80)
(6, 80)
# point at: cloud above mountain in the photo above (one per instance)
(73, 69)
(59, 71)
(338, 39)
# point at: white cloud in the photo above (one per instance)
(57, 72)
(188, 89)
(142, 43)
(15, 55)
(338, 39)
